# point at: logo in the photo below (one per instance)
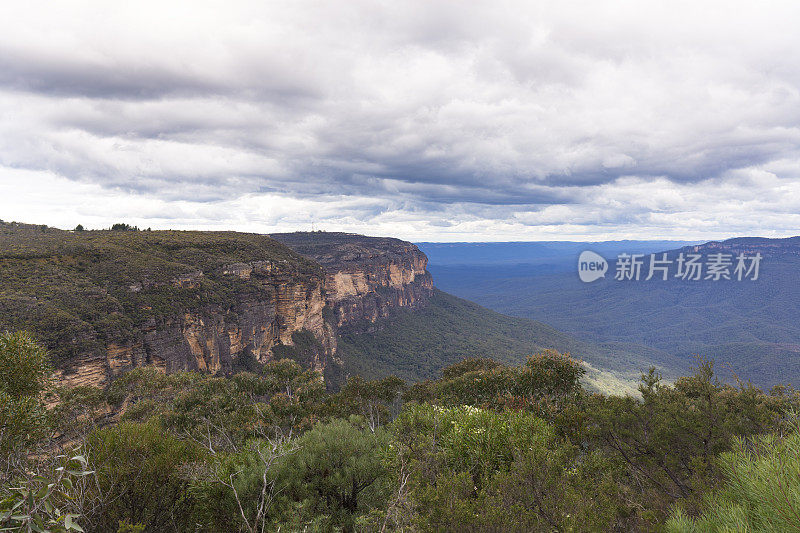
(680, 265)
(591, 266)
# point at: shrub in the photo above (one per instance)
(472, 469)
(761, 489)
(337, 472)
(24, 379)
(139, 478)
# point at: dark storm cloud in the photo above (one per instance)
(62, 76)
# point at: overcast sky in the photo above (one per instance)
(425, 120)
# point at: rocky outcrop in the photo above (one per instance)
(211, 340)
(366, 278)
(362, 279)
(104, 302)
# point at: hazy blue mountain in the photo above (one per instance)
(555, 253)
(750, 328)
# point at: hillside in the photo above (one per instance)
(749, 328)
(106, 301)
(415, 345)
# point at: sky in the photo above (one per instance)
(427, 120)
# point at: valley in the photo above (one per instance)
(106, 302)
(748, 328)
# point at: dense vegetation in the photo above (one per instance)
(77, 290)
(486, 446)
(760, 489)
(418, 344)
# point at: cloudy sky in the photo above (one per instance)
(428, 120)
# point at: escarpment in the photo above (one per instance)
(104, 302)
(213, 338)
(366, 278)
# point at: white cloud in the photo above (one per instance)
(423, 119)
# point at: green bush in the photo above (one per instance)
(336, 472)
(139, 478)
(472, 469)
(237, 491)
(24, 379)
(761, 489)
(669, 440)
(322, 481)
(36, 503)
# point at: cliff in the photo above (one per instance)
(104, 302)
(366, 278)
(782, 249)
(107, 301)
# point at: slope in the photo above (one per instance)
(416, 345)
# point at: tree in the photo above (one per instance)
(669, 440)
(548, 385)
(34, 486)
(472, 469)
(240, 488)
(79, 227)
(761, 491)
(336, 472)
(24, 379)
(121, 226)
(139, 478)
(373, 400)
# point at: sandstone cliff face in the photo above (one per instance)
(362, 279)
(366, 278)
(210, 340)
(104, 302)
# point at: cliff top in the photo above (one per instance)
(170, 249)
(774, 247)
(335, 250)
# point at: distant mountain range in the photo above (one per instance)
(561, 254)
(750, 328)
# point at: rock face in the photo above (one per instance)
(211, 339)
(366, 278)
(104, 302)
